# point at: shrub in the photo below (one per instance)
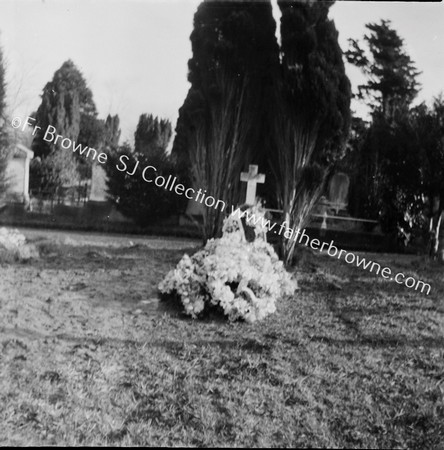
(143, 202)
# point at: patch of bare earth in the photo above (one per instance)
(88, 356)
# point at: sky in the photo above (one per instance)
(134, 53)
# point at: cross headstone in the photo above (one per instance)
(252, 178)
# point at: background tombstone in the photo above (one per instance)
(338, 191)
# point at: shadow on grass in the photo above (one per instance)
(382, 341)
(56, 255)
(173, 347)
(250, 345)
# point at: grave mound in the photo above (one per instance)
(239, 277)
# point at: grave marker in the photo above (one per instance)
(252, 178)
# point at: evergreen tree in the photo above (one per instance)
(391, 74)
(431, 136)
(412, 172)
(102, 135)
(355, 164)
(312, 110)
(222, 124)
(411, 187)
(390, 90)
(67, 104)
(133, 196)
(111, 132)
(152, 135)
(91, 134)
(416, 169)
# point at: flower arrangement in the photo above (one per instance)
(242, 278)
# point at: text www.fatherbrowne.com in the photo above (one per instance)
(351, 258)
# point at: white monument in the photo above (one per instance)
(17, 173)
(252, 178)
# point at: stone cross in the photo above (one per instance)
(252, 178)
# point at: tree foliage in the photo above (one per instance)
(385, 151)
(391, 74)
(133, 196)
(312, 110)
(401, 152)
(414, 171)
(407, 190)
(250, 102)
(152, 135)
(222, 124)
(112, 132)
(67, 105)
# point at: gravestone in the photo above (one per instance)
(338, 191)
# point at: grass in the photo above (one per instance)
(87, 357)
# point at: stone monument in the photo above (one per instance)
(17, 173)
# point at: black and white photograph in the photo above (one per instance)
(222, 224)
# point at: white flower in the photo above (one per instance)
(244, 279)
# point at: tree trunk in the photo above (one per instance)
(439, 246)
(287, 250)
(437, 237)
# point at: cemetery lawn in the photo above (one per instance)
(88, 357)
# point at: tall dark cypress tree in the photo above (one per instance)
(221, 125)
(312, 110)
